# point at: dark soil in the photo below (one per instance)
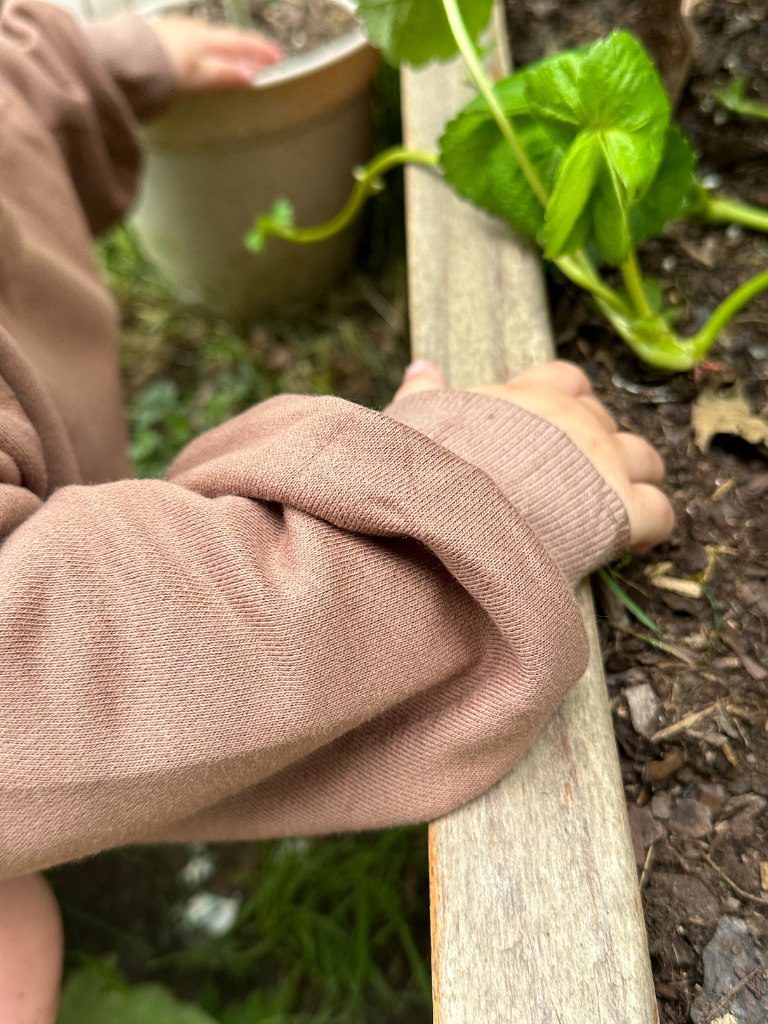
(297, 26)
(710, 806)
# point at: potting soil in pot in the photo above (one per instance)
(297, 26)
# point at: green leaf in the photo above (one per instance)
(609, 216)
(479, 164)
(670, 190)
(620, 87)
(609, 97)
(280, 218)
(417, 31)
(96, 995)
(552, 86)
(593, 122)
(511, 93)
(567, 206)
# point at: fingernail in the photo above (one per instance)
(421, 366)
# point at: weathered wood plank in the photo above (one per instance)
(536, 915)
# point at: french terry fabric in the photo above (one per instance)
(324, 618)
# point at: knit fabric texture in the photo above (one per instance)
(325, 618)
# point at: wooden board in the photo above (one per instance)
(536, 915)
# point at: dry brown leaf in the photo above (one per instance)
(715, 412)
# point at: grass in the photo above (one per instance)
(331, 929)
(186, 370)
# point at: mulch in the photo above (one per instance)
(697, 799)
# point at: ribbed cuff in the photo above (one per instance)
(579, 519)
(133, 55)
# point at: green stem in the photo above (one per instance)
(718, 210)
(579, 268)
(469, 53)
(369, 181)
(727, 309)
(633, 279)
(732, 97)
(658, 346)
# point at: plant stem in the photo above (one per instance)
(469, 53)
(633, 279)
(579, 268)
(727, 309)
(718, 210)
(732, 98)
(369, 181)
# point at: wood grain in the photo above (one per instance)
(536, 915)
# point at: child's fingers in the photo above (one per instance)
(651, 518)
(421, 375)
(607, 422)
(216, 73)
(244, 46)
(642, 463)
(205, 57)
(566, 377)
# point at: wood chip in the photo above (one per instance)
(658, 569)
(722, 490)
(645, 876)
(684, 724)
(644, 708)
(686, 588)
(729, 754)
(764, 875)
(656, 770)
(751, 667)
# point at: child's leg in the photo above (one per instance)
(31, 948)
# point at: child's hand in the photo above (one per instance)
(206, 57)
(561, 393)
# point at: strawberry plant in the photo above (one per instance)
(577, 152)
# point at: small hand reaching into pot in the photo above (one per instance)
(561, 393)
(209, 57)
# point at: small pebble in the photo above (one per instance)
(712, 795)
(661, 805)
(743, 826)
(693, 817)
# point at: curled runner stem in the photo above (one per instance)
(279, 221)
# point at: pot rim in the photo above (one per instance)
(292, 68)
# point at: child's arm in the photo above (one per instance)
(89, 84)
(68, 92)
(322, 620)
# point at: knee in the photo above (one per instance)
(31, 951)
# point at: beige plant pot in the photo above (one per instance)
(215, 161)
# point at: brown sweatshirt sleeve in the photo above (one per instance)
(322, 620)
(535, 465)
(85, 87)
